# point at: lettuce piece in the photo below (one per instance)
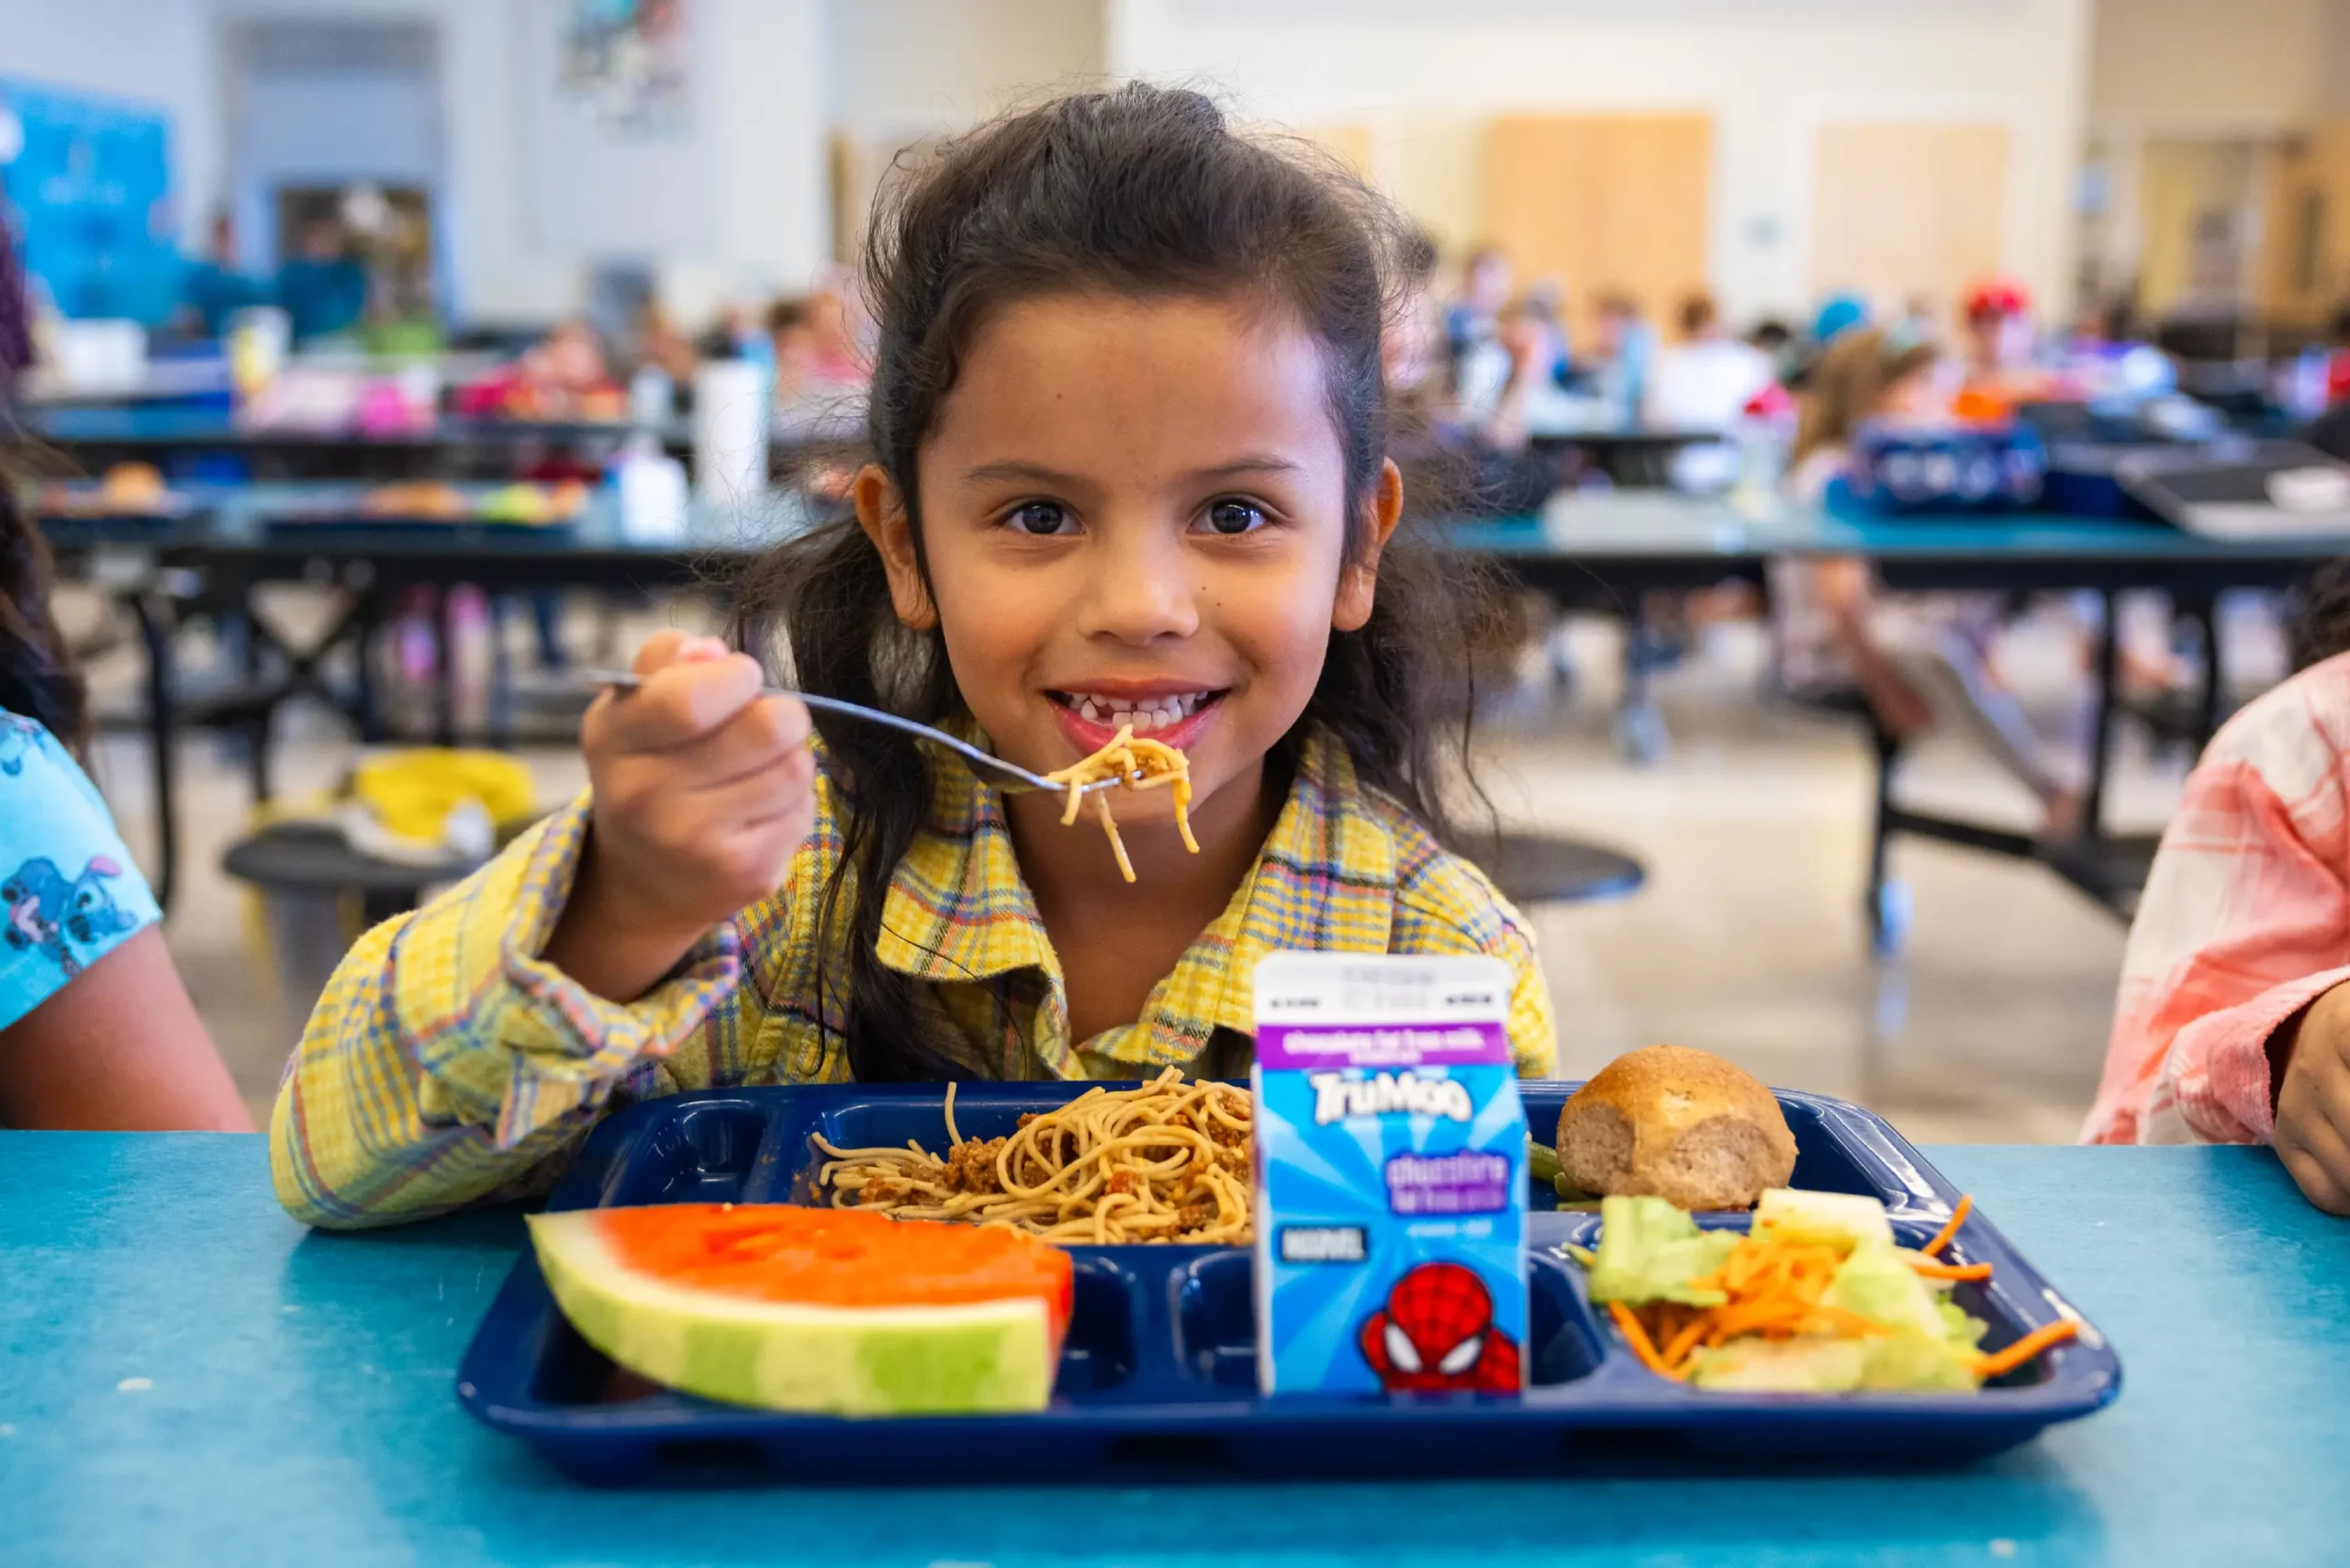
(1877, 1283)
(1843, 1220)
(1961, 1328)
(1912, 1362)
(1803, 1365)
(1649, 1250)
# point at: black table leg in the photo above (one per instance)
(155, 639)
(444, 669)
(2101, 729)
(2204, 610)
(501, 675)
(366, 708)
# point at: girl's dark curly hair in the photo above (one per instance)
(1148, 191)
(2318, 627)
(38, 675)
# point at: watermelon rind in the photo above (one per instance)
(883, 1360)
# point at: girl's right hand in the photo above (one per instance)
(703, 792)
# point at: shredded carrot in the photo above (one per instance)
(1628, 1323)
(1850, 1322)
(1942, 1237)
(1683, 1343)
(1773, 1290)
(2001, 1362)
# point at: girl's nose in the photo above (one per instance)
(1138, 591)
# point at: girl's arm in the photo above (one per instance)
(448, 1060)
(461, 1049)
(119, 1047)
(2245, 921)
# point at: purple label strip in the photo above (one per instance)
(1326, 1046)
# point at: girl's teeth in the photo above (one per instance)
(1160, 714)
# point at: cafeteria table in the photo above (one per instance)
(1601, 552)
(188, 1376)
(179, 437)
(233, 541)
(1628, 455)
(1585, 552)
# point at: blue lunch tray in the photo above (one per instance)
(1159, 1367)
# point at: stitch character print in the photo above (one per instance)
(53, 914)
(19, 738)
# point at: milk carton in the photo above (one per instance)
(1391, 1177)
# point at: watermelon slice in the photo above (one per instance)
(817, 1309)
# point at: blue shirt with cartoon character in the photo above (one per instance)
(69, 891)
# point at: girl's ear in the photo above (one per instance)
(881, 512)
(1359, 579)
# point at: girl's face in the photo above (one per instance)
(1134, 512)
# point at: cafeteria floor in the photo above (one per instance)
(1745, 940)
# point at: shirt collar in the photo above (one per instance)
(957, 910)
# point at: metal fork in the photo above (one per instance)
(1006, 776)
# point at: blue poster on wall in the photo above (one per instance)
(90, 180)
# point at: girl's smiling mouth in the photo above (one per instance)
(1174, 712)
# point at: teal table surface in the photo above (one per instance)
(1647, 523)
(187, 1375)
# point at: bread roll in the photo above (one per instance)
(1679, 1125)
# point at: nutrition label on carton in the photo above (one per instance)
(1390, 1179)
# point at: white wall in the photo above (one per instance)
(1425, 75)
(157, 51)
(755, 219)
(901, 70)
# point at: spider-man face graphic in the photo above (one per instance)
(1437, 1334)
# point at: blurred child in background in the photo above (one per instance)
(1624, 351)
(1705, 381)
(563, 376)
(1998, 341)
(212, 289)
(1474, 318)
(840, 356)
(323, 289)
(1920, 661)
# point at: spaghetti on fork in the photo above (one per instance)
(1136, 762)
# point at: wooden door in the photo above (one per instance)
(1908, 212)
(1603, 203)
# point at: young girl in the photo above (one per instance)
(96, 1029)
(1129, 468)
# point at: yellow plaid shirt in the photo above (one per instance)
(448, 1062)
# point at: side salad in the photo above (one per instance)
(1816, 1297)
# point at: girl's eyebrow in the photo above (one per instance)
(1037, 474)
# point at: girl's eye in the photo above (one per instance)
(1236, 517)
(1041, 519)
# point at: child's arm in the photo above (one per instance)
(96, 1029)
(460, 1049)
(119, 1047)
(2244, 922)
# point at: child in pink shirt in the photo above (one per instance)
(2232, 1024)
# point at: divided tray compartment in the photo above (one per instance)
(1158, 1372)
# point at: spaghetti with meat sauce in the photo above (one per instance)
(1168, 1162)
(1136, 762)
